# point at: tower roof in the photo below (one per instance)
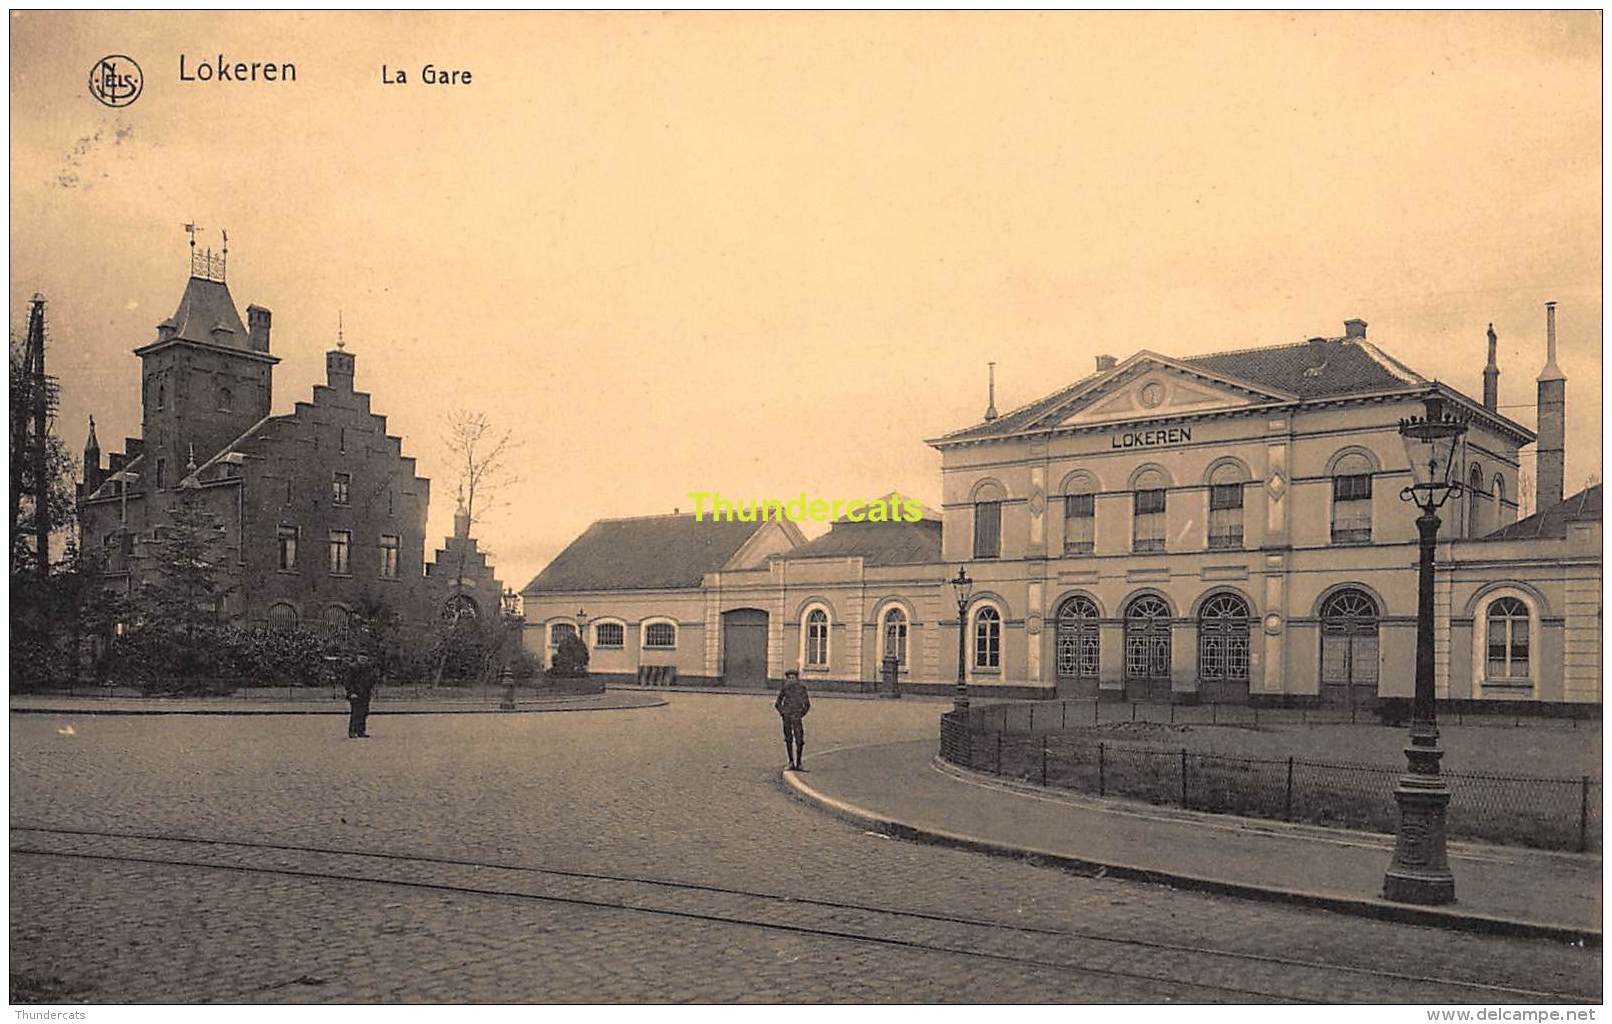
(205, 306)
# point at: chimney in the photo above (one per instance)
(1491, 377)
(990, 400)
(1105, 363)
(92, 460)
(461, 516)
(1549, 447)
(257, 328)
(1355, 328)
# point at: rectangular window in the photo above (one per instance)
(340, 487)
(1147, 523)
(1226, 516)
(162, 473)
(1079, 522)
(1351, 509)
(288, 548)
(389, 547)
(609, 634)
(341, 543)
(987, 529)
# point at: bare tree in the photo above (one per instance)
(482, 454)
(483, 457)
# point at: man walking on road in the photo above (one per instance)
(360, 688)
(792, 705)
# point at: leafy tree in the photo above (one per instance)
(178, 603)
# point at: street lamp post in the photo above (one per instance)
(963, 587)
(512, 625)
(1420, 869)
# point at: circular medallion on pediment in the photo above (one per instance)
(1152, 395)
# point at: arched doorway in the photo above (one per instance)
(1349, 649)
(1147, 647)
(1223, 631)
(1078, 642)
(744, 648)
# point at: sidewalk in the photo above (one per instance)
(60, 705)
(901, 789)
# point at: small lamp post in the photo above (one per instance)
(582, 626)
(963, 587)
(1420, 869)
(512, 632)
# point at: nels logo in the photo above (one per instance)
(116, 80)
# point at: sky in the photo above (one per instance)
(761, 254)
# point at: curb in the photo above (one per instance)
(1378, 909)
(249, 712)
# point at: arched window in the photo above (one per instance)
(1474, 503)
(282, 616)
(1147, 514)
(1078, 641)
(1501, 514)
(1223, 630)
(559, 631)
(1147, 639)
(1079, 516)
(817, 638)
(1506, 641)
(895, 635)
(162, 395)
(660, 635)
(1351, 500)
(226, 401)
(988, 520)
(1226, 507)
(1349, 648)
(337, 617)
(987, 638)
(609, 634)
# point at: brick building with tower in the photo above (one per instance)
(321, 509)
(1223, 527)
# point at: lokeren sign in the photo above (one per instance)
(1156, 438)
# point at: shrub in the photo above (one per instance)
(570, 658)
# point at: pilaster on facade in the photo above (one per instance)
(930, 609)
(775, 623)
(1581, 640)
(1442, 589)
(855, 630)
(713, 626)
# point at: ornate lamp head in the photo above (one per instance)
(963, 586)
(1434, 443)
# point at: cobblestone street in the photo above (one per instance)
(632, 855)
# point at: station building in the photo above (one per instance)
(1225, 528)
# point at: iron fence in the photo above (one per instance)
(1541, 812)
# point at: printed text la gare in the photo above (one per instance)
(430, 74)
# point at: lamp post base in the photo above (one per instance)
(1420, 869)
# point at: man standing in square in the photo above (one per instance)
(792, 705)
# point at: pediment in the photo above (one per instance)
(1153, 388)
